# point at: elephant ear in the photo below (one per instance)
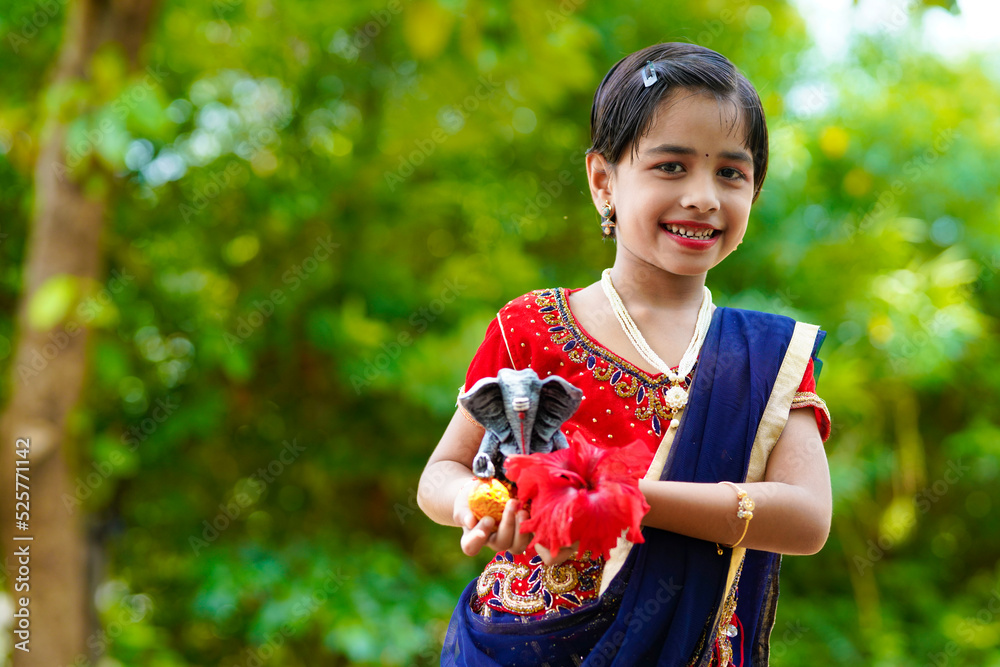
(484, 401)
(557, 401)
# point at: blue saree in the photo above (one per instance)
(663, 601)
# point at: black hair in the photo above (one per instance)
(624, 107)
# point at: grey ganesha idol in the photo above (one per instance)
(522, 414)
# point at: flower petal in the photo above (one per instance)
(582, 493)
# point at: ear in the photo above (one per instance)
(558, 399)
(600, 175)
(484, 401)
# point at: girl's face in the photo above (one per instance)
(682, 205)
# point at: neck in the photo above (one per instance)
(643, 286)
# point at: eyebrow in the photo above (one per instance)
(739, 156)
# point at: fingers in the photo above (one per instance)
(461, 513)
(506, 536)
(466, 519)
(503, 539)
(474, 538)
(564, 555)
(544, 553)
(521, 540)
(558, 558)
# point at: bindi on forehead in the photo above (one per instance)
(739, 155)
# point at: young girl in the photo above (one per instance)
(737, 472)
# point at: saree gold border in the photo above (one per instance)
(772, 423)
(618, 555)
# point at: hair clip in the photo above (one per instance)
(648, 74)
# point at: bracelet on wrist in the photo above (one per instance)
(743, 511)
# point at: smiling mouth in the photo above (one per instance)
(699, 233)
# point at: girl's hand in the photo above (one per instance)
(505, 537)
(564, 554)
(474, 534)
(508, 536)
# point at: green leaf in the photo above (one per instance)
(52, 301)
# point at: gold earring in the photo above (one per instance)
(607, 225)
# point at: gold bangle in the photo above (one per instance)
(743, 511)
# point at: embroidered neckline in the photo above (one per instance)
(625, 378)
(562, 299)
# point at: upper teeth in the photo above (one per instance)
(690, 233)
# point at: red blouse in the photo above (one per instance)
(540, 331)
(621, 403)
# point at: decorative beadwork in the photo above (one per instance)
(531, 588)
(807, 398)
(654, 401)
(727, 628)
(676, 398)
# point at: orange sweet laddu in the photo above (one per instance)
(488, 498)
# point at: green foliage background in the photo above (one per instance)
(316, 210)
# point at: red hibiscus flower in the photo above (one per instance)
(583, 493)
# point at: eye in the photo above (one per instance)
(732, 174)
(671, 167)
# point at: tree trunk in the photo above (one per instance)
(49, 366)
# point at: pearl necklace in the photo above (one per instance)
(676, 397)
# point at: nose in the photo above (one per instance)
(700, 193)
